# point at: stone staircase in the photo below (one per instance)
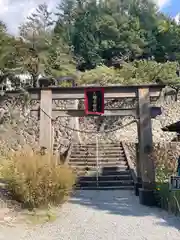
(111, 171)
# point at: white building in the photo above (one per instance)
(24, 78)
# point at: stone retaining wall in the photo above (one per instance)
(164, 154)
(17, 127)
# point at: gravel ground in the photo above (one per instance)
(102, 215)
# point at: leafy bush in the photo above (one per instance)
(101, 75)
(137, 72)
(168, 200)
(35, 180)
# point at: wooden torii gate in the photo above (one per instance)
(143, 112)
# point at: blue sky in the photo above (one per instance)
(171, 7)
(14, 12)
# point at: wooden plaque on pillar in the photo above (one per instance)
(94, 101)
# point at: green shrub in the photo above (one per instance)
(36, 180)
(168, 200)
(137, 72)
(101, 75)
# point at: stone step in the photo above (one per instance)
(105, 183)
(106, 188)
(99, 147)
(101, 165)
(105, 166)
(100, 154)
(100, 151)
(114, 171)
(106, 177)
(94, 161)
(81, 169)
(93, 172)
(114, 161)
(99, 143)
(113, 167)
(91, 157)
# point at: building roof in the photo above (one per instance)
(174, 127)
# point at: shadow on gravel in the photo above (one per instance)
(122, 202)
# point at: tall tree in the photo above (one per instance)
(60, 60)
(66, 12)
(101, 31)
(38, 27)
(7, 44)
(37, 31)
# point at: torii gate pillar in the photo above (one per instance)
(146, 193)
(46, 131)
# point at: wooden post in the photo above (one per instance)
(75, 123)
(138, 164)
(146, 194)
(45, 120)
(52, 137)
(138, 184)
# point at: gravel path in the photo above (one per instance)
(102, 215)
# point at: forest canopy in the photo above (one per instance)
(105, 41)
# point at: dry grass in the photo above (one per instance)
(164, 154)
(35, 180)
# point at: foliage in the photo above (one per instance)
(168, 200)
(102, 30)
(136, 72)
(53, 55)
(133, 36)
(165, 162)
(35, 180)
(37, 31)
(36, 51)
(59, 59)
(102, 75)
(6, 47)
(38, 27)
